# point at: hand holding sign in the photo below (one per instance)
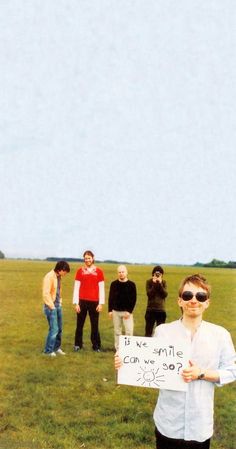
(152, 362)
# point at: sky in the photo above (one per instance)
(118, 129)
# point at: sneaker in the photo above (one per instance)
(77, 348)
(51, 354)
(59, 351)
(97, 350)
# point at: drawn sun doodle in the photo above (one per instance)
(149, 377)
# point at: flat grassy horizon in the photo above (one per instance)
(74, 401)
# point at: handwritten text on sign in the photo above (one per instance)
(152, 362)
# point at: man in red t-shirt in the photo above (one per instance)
(88, 297)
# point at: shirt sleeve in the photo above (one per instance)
(133, 297)
(78, 274)
(76, 292)
(100, 275)
(101, 292)
(227, 366)
(111, 297)
(47, 296)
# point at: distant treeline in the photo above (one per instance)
(67, 259)
(215, 263)
(73, 259)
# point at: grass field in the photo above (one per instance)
(73, 401)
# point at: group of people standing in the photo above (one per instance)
(182, 420)
(89, 299)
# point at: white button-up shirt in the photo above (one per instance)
(189, 415)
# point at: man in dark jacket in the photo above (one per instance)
(121, 302)
(156, 289)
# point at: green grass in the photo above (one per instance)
(73, 401)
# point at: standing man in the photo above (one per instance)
(156, 290)
(185, 419)
(88, 297)
(53, 307)
(121, 302)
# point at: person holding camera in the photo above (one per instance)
(156, 289)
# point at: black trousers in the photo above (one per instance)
(152, 318)
(163, 442)
(90, 308)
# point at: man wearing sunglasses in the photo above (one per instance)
(184, 420)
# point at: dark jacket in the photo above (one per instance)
(156, 293)
(122, 296)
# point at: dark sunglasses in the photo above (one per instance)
(200, 296)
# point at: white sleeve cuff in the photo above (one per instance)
(101, 286)
(76, 292)
(227, 375)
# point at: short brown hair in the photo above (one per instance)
(62, 265)
(196, 279)
(88, 253)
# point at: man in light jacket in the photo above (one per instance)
(53, 307)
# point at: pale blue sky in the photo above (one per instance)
(117, 129)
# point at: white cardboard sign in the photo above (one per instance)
(152, 362)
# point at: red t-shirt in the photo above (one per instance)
(89, 280)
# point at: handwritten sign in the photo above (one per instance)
(152, 362)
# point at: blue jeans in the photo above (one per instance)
(54, 317)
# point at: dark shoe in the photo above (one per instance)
(97, 350)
